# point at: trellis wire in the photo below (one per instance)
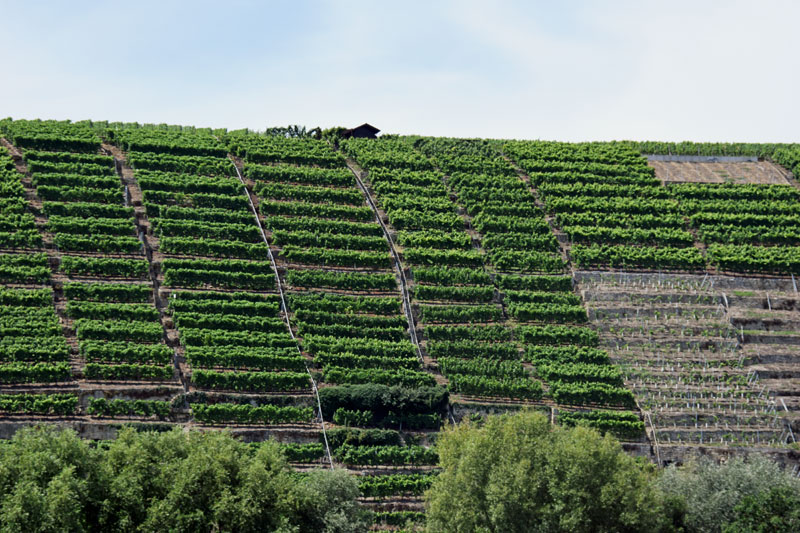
(396, 260)
(285, 308)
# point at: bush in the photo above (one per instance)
(711, 495)
(383, 399)
(51, 480)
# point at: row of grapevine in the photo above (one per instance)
(618, 215)
(452, 285)
(473, 372)
(269, 149)
(51, 135)
(216, 266)
(606, 195)
(117, 327)
(158, 142)
(119, 333)
(502, 209)
(353, 339)
(32, 346)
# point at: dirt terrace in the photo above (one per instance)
(713, 360)
(761, 172)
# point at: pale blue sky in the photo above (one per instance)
(678, 70)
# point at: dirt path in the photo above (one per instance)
(143, 227)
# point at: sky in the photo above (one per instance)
(724, 70)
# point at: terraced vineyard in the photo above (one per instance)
(348, 297)
(700, 377)
(81, 244)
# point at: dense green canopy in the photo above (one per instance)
(51, 480)
(519, 473)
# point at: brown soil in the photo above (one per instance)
(762, 172)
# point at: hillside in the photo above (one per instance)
(348, 297)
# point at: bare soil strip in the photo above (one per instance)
(761, 172)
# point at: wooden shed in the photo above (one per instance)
(364, 131)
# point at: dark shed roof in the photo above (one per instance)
(365, 130)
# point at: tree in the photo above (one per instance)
(216, 484)
(50, 480)
(212, 482)
(519, 473)
(326, 502)
(713, 495)
(292, 131)
(776, 511)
